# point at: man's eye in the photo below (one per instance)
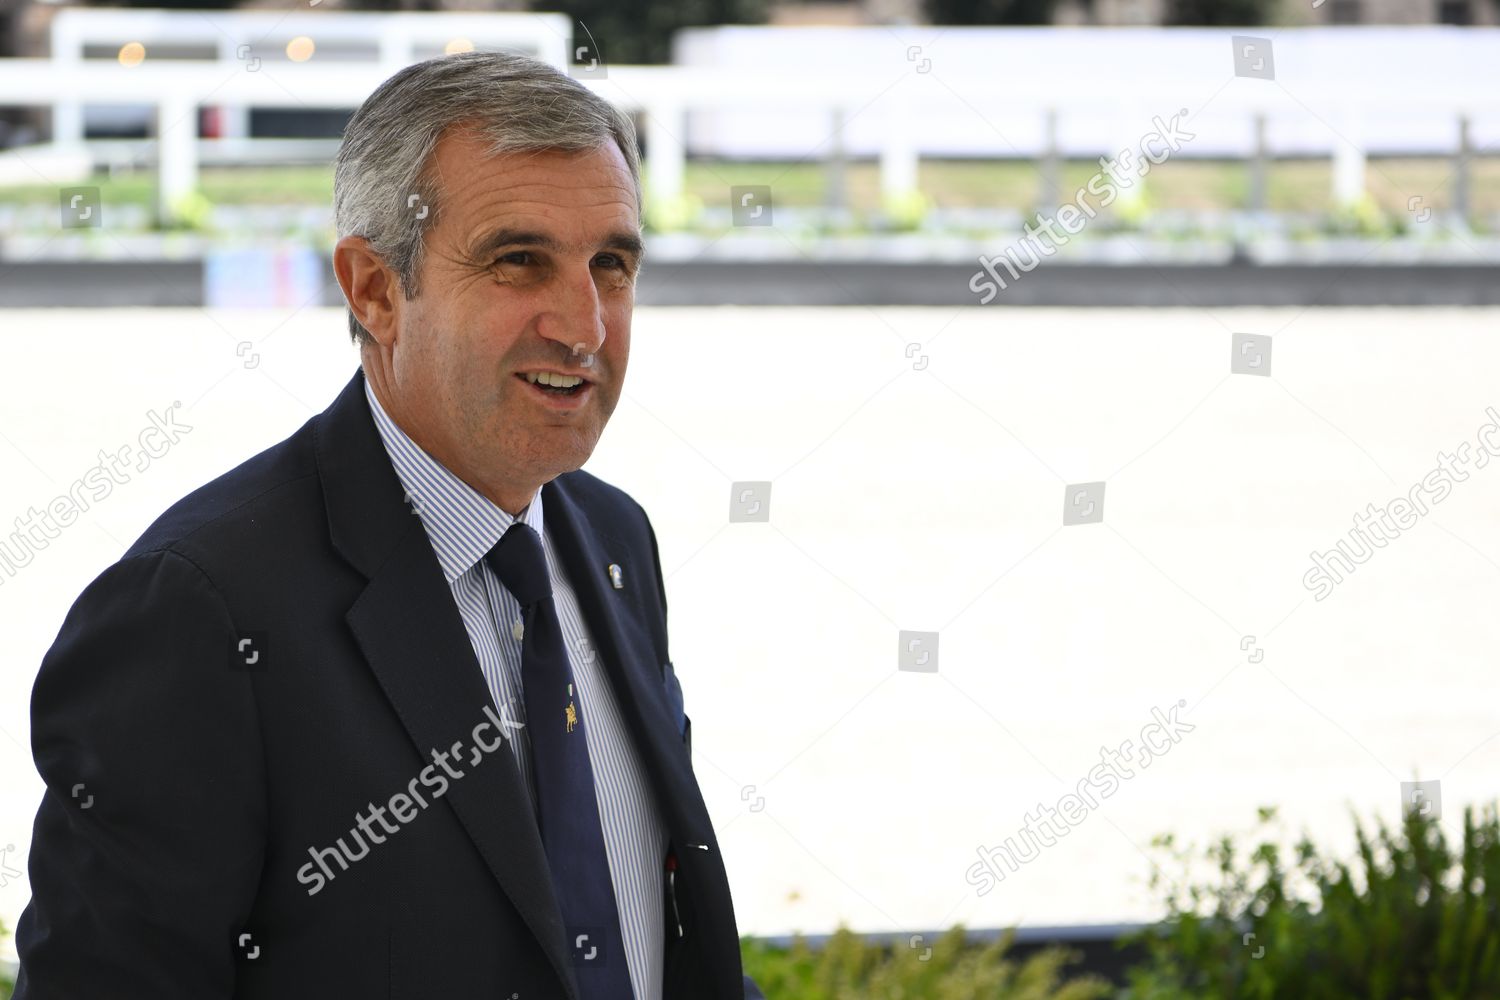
(609, 260)
(518, 257)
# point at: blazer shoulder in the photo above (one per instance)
(279, 481)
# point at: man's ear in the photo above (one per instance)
(370, 287)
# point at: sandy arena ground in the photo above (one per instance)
(922, 488)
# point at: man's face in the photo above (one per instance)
(529, 267)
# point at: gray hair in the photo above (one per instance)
(514, 102)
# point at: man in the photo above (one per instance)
(387, 710)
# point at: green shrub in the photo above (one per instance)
(847, 968)
(7, 984)
(1408, 917)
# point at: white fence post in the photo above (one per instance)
(1349, 159)
(1461, 171)
(898, 153)
(665, 154)
(176, 150)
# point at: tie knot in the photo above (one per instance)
(518, 560)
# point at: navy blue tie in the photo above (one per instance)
(567, 812)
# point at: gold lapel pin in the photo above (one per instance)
(616, 577)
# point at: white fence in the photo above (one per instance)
(984, 90)
(898, 93)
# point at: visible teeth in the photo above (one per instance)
(548, 378)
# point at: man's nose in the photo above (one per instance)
(575, 318)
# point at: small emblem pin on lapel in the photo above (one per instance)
(615, 576)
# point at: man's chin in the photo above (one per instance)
(565, 460)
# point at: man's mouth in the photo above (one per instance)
(553, 383)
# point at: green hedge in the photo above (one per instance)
(847, 968)
(1409, 916)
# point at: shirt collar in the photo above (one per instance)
(462, 523)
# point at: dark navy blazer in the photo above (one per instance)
(278, 650)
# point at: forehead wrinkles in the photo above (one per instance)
(482, 201)
(541, 198)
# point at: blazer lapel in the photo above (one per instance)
(586, 551)
(624, 637)
(411, 633)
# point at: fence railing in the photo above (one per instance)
(1060, 115)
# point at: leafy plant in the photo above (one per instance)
(191, 212)
(1408, 916)
(1361, 217)
(7, 984)
(905, 212)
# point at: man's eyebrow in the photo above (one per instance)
(501, 238)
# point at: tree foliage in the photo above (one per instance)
(1218, 13)
(990, 11)
(633, 32)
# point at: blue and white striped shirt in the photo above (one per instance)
(463, 525)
